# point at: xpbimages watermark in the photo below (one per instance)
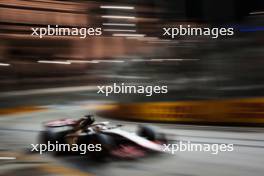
(197, 147)
(58, 147)
(132, 89)
(65, 31)
(188, 30)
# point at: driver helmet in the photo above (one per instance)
(87, 120)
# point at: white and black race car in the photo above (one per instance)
(114, 141)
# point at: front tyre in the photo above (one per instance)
(147, 132)
(106, 145)
(150, 134)
(44, 137)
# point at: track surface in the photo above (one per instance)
(18, 131)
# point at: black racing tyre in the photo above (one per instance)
(107, 145)
(44, 137)
(60, 138)
(147, 132)
(53, 138)
(161, 137)
(150, 134)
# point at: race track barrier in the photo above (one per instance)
(247, 111)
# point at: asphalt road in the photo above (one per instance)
(18, 131)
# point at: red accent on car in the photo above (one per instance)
(128, 152)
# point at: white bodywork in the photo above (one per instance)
(135, 138)
(102, 127)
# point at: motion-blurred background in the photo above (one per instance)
(201, 67)
(210, 81)
(193, 67)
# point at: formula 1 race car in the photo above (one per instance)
(113, 140)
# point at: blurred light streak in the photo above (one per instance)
(161, 60)
(110, 61)
(144, 38)
(148, 38)
(120, 30)
(128, 35)
(119, 24)
(256, 13)
(117, 7)
(118, 17)
(54, 62)
(4, 64)
(7, 158)
(82, 61)
(173, 59)
(139, 60)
